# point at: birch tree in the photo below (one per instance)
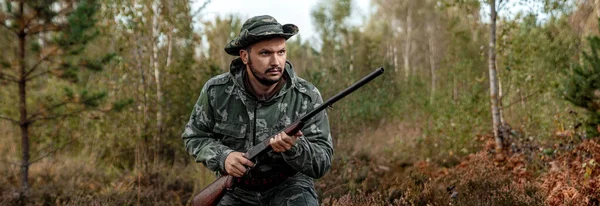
(493, 75)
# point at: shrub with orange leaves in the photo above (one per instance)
(574, 177)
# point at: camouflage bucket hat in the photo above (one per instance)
(256, 29)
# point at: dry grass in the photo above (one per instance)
(380, 166)
(523, 175)
(79, 181)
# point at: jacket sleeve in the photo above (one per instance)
(198, 137)
(312, 153)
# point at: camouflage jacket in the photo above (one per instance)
(226, 118)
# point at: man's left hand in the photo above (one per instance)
(282, 142)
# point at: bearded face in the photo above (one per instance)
(265, 61)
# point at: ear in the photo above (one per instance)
(244, 55)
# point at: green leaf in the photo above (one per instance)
(4, 63)
(8, 6)
(68, 72)
(68, 92)
(548, 151)
(98, 65)
(121, 104)
(93, 99)
(35, 46)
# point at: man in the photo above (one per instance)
(258, 97)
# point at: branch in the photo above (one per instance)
(201, 8)
(65, 10)
(8, 77)
(39, 74)
(500, 5)
(3, 18)
(36, 116)
(9, 119)
(45, 28)
(13, 163)
(51, 152)
(39, 28)
(6, 26)
(44, 58)
(57, 116)
(27, 19)
(33, 117)
(526, 97)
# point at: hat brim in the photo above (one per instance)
(247, 38)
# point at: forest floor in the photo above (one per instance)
(366, 171)
(377, 166)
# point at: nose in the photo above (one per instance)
(275, 60)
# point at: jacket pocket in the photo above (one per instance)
(232, 135)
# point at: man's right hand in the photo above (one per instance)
(235, 164)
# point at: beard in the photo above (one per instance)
(262, 77)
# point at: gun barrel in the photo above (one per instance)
(343, 93)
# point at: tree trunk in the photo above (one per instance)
(407, 43)
(169, 48)
(144, 126)
(23, 124)
(597, 5)
(500, 107)
(159, 118)
(432, 57)
(395, 56)
(496, 120)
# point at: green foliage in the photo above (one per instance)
(4, 63)
(440, 127)
(69, 92)
(81, 27)
(99, 64)
(92, 99)
(8, 5)
(43, 8)
(68, 72)
(122, 104)
(531, 57)
(35, 47)
(582, 86)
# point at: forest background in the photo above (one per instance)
(94, 96)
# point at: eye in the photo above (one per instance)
(264, 53)
(281, 52)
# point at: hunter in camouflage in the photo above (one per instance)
(259, 97)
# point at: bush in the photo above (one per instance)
(582, 86)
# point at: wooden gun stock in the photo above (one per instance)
(211, 195)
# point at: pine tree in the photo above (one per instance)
(582, 86)
(48, 38)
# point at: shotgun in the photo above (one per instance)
(212, 194)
